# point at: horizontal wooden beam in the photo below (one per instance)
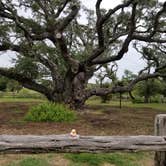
(90, 144)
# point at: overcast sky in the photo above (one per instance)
(131, 61)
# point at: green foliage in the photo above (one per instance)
(128, 76)
(138, 100)
(149, 88)
(153, 99)
(26, 93)
(27, 67)
(105, 79)
(157, 99)
(148, 4)
(98, 159)
(31, 161)
(13, 86)
(3, 83)
(105, 98)
(163, 81)
(50, 112)
(9, 85)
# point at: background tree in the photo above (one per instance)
(163, 81)
(49, 36)
(3, 83)
(127, 78)
(105, 78)
(149, 89)
(164, 89)
(13, 86)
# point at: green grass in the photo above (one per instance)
(118, 159)
(83, 159)
(30, 161)
(18, 122)
(20, 100)
(158, 106)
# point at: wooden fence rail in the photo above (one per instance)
(90, 144)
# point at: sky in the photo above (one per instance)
(131, 61)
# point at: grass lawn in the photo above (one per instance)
(84, 159)
(115, 159)
(158, 106)
(14, 100)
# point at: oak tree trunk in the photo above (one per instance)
(72, 93)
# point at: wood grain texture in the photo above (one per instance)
(160, 130)
(90, 144)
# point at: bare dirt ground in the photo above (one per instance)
(94, 120)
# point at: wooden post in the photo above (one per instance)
(120, 100)
(160, 130)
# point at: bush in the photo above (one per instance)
(157, 99)
(50, 112)
(138, 100)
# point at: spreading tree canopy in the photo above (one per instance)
(58, 51)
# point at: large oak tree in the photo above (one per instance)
(58, 51)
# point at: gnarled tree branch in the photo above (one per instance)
(26, 82)
(125, 45)
(123, 89)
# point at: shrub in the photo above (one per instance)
(157, 99)
(50, 112)
(138, 100)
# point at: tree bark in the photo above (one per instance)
(80, 144)
(160, 130)
(73, 92)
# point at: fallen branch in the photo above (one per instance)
(90, 144)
